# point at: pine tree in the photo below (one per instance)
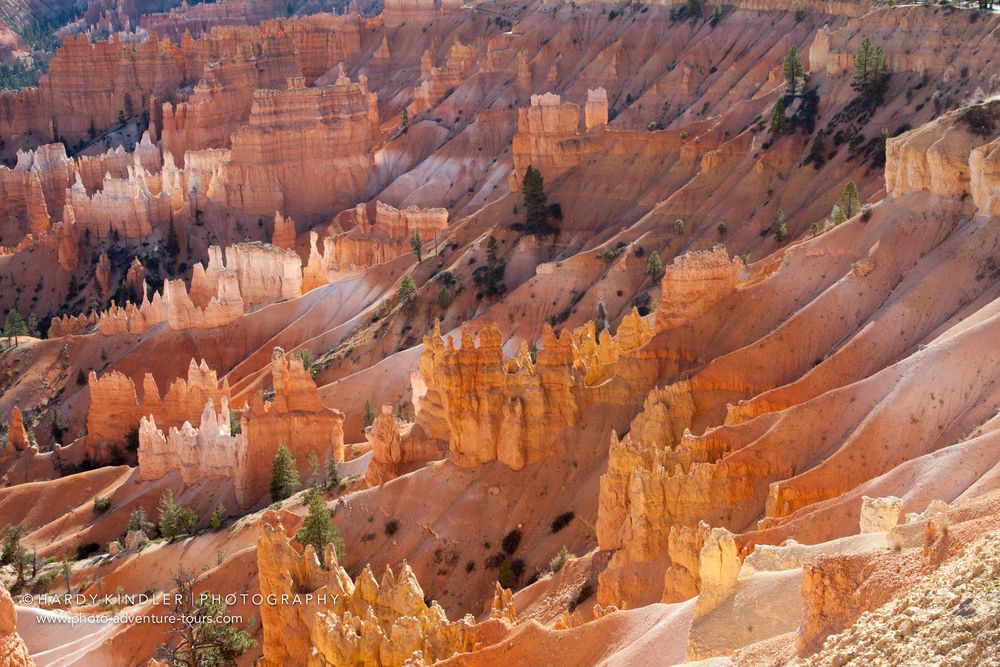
(173, 244)
(407, 291)
(536, 210)
(491, 250)
(175, 520)
(778, 226)
(417, 245)
(284, 475)
(137, 521)
(654, 265)
(12, 548)
(167, 522)
(444, 298)
(817, 152)
(404, 118)
(201, 638)
(14, 326)
(778, 120)
(870, 72)
(847, 205)
(792, 69)
(318, 529)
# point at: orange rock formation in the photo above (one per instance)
(383, 623)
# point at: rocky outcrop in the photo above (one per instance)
(22, 205)
(72, 324)
(387, 451)
(128, 207)
(370, 242)
(209, 452)
(17, 435)
(302, 151)
(438, 82)
(197, 19)
(319, 611)
(879, 515)
(543, 140)
(398, 12)
(596, 110)
(135, 277)
(212, 450)
(945, 618)
(719, 567)
(295, 418)
(517, 411)
(102, 275)
(13, 652)
(115, 408)
(284, 232)
(264, 272)
(221, 101)
(516, 416)
(947, 158)
(693, 283)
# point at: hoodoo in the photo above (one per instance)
(415, 333)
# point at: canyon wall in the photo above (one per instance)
(90, 86)
(302, 151)
(115, 408)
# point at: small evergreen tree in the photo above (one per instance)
(137, 521)
(318, 529)
(817, 152)
(173, 246)
(778, 226)
(417, 245)
(218, 518)
(848, 205)
(870, 73)
(333, 478)
(722, 228)
(284, 475)
(14, 326)
(536, 211)
(12, 548)
(679, 226)
(491, 250)
(407, 291)
(404, 118)
(792, 69)
(654, 265)
(175, 520)
(444, 298)
(778, 120)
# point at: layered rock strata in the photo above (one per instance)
(383, 623)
